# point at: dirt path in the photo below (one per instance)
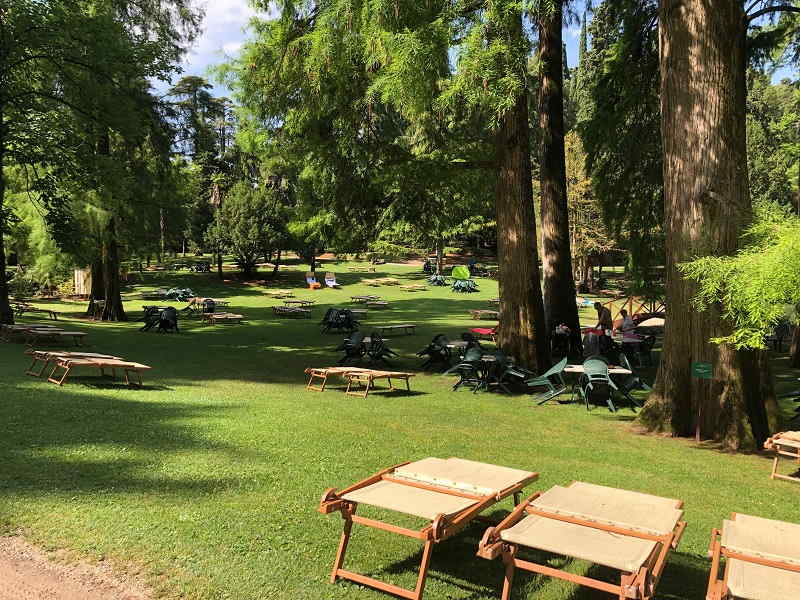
(26, 573)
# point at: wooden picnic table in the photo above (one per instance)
(407, 328)
(299, 302)
(361, 269)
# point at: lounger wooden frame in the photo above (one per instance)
(356, 380)
(640, 585)
(67, 364)
(718, 588)
(45, 358)
(783, 447)
(439, 529)
(323, 374)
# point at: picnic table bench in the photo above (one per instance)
(20, 308)
(479, 314)
(495, 301)
(291, 311)
(215, 318)
(407, 328)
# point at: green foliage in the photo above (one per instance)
(754, 287)
(250, 224)
(464, 286)
(438, 280)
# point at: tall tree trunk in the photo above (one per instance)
(439, 256)
(6, 314)
(707, 203)
(113, 309)
(559, 284)
(277, 264)
(98, 286)
(312, 262)
(794, 349)
(521, 332)
(219, 266)
(162, 226)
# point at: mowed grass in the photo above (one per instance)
(206, 482)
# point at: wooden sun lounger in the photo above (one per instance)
(378, 304)
(46, 357)
(67, 364)
(325, 372)
(762, 560)
(9, 332)
(364, 299)
(299, 302)
(38, 336)
(448, 494)
(629, 532)
(481, 313)
(366, 379)
(291, 311)
(785, 443)
(414, 287)
(216, 318)
(407, 328)
(361, 269)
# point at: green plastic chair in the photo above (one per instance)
(552, 379)
(595, 375)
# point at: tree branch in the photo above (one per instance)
(772, 9)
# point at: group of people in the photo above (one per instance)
(606, 323)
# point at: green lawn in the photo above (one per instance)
(206, 482)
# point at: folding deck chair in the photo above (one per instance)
(552, 380)
(68, 363)
(311, 280)
(762, 560)
(448, 494)
(627, 531)
(330, 280)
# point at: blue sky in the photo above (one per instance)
(224, 32)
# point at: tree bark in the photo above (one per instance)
(219, 266)
(277, 264)
(794, 348)
(113, 309)
(6, 314)
(98, 286)
(560, 306)
(439, 257)
(521, 333)
(707, 203)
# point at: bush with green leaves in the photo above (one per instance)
(439, 280)
(755, 286)
(464, 286)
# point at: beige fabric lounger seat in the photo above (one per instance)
(762, 560)
(447, 493)
(785, 443)
(624, 530)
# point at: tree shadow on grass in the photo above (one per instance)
(55, 440)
